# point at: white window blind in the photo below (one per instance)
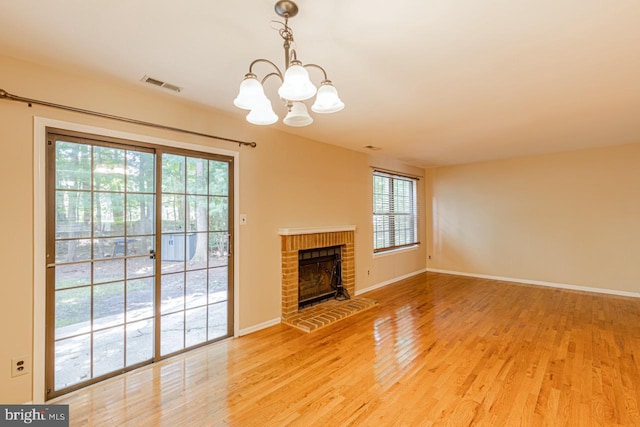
(394, 211)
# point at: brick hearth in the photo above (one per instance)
(318, 316)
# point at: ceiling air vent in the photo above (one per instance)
(161, 84)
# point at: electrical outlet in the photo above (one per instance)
(243, 219)
(20, 366)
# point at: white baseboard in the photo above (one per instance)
(388, 282)
(259, 326)
(540, 283)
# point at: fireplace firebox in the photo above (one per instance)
(320, 275)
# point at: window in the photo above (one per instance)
(394, 211)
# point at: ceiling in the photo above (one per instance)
(429, 82)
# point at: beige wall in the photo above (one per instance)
(569, 218)
(282, 184)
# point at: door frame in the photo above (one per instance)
(40, 125)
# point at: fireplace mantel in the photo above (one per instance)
(315, 230)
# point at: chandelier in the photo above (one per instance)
(296, 86)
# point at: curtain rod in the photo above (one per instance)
(403, 174)
(6, 95)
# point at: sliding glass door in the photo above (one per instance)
(120, 294)
(195, 251)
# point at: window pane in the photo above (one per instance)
(217, 284)
(73, 166)
(73, 361)
(196, 288)
(140, 219)
(139, 341)
(403, 230)
(140, 172)
(402, 197)
(69, 276)
(108, 248)
(108, 169)
(197, 175)
(196, 328)
(178, 247)
(140, 267)
(217, 320)
(108, 351)
(218, 178)
(73, 250)
(172, 266)
(108, 271)
(108, 214)
(173, 173)
(140, 245)
(218, 249)
(199, 259)
(108, 305)
(197, 213)
(73, 312)
(172, 293)
(139, 299)
(73, 214)
(218, 213)
(173, 213)
(172, 333)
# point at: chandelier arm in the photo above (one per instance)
(318, 67)
(278, 72)
(264, 79)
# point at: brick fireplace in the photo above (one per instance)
(297, 239)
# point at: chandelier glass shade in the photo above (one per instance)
(296, 84)
(327, 100)
(251, 93)
(262, 114)
(298, 115)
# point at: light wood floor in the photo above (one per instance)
(439, 350)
